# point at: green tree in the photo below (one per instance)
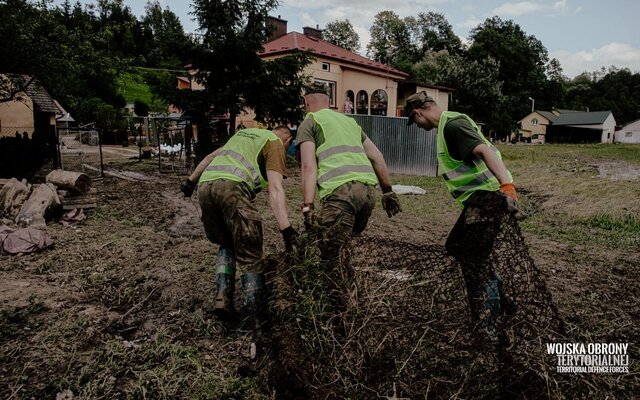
(476, 85)
(432, 32)
(341, 33)
(140, 108)
(233, 74)
(391, 41)
(618, 90)
(521, 59)
(166, 44)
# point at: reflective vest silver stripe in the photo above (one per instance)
(479, 180)
(343, 170)
(232, 170)
(237, 156)
(454, 173)
(339, 149)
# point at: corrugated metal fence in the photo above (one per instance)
(407, 149)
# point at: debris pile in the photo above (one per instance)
(31, 206)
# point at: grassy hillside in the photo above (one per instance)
(134, 87)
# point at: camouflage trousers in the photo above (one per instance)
(231, 220)
(346, 211)
(471, 242)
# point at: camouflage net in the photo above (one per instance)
(405, 327)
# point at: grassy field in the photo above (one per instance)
(121, 306)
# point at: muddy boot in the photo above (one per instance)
(225, 283)
(255, 299)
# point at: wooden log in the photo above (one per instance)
(39, 206)
(70, 180)
(12, 195)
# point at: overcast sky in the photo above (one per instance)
(584, 35)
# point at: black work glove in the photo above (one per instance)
(187, 187)
(290, 237)
(309, 218)
(390, 203)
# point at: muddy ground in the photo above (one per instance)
(120, 307)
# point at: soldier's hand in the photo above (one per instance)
(509, 191)
(391, 203)
(290, 237)
(309, 218)
(187, 187)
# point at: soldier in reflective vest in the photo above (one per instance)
(480, 184)
(229, 178)
(344, 166)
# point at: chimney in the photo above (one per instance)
(277, 27)
(313, 32)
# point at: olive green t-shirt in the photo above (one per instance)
(271, 158)
(310, 131)
(461, 139)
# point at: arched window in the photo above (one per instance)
(379, 102)
(534, 121)
(362, 102)
(348, 102)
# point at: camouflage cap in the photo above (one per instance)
(316, 87)
(414, 101)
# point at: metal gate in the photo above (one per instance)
(407, 149)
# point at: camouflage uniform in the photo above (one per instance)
(231, 220)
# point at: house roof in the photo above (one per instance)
(581, 117)
(295, 41)
(42, 101)
(548, 115)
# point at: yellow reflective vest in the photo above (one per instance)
(238, 159)
(341, 158)
(461, 178)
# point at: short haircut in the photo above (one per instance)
(283, 128)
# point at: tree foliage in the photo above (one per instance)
(432, 32)
(521, 58)
(234, 75)
(391, 40)
(341, 33)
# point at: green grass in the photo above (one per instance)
(133, 87)
(624, 224)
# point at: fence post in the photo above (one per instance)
(100, 146)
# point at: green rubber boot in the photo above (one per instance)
(225, 283)
(255, 297)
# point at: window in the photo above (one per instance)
(379, 102)
(362, 103)
(534, 121)
(332, 91)
(348, 102)
(628, 134)
(326, 66)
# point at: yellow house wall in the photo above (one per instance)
(348, 77)
(441, 98)
(529, 129)
(356, 81)
(16, 116)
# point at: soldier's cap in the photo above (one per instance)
(316, 87)
(414, 101)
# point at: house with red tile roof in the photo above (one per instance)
(357, 84)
